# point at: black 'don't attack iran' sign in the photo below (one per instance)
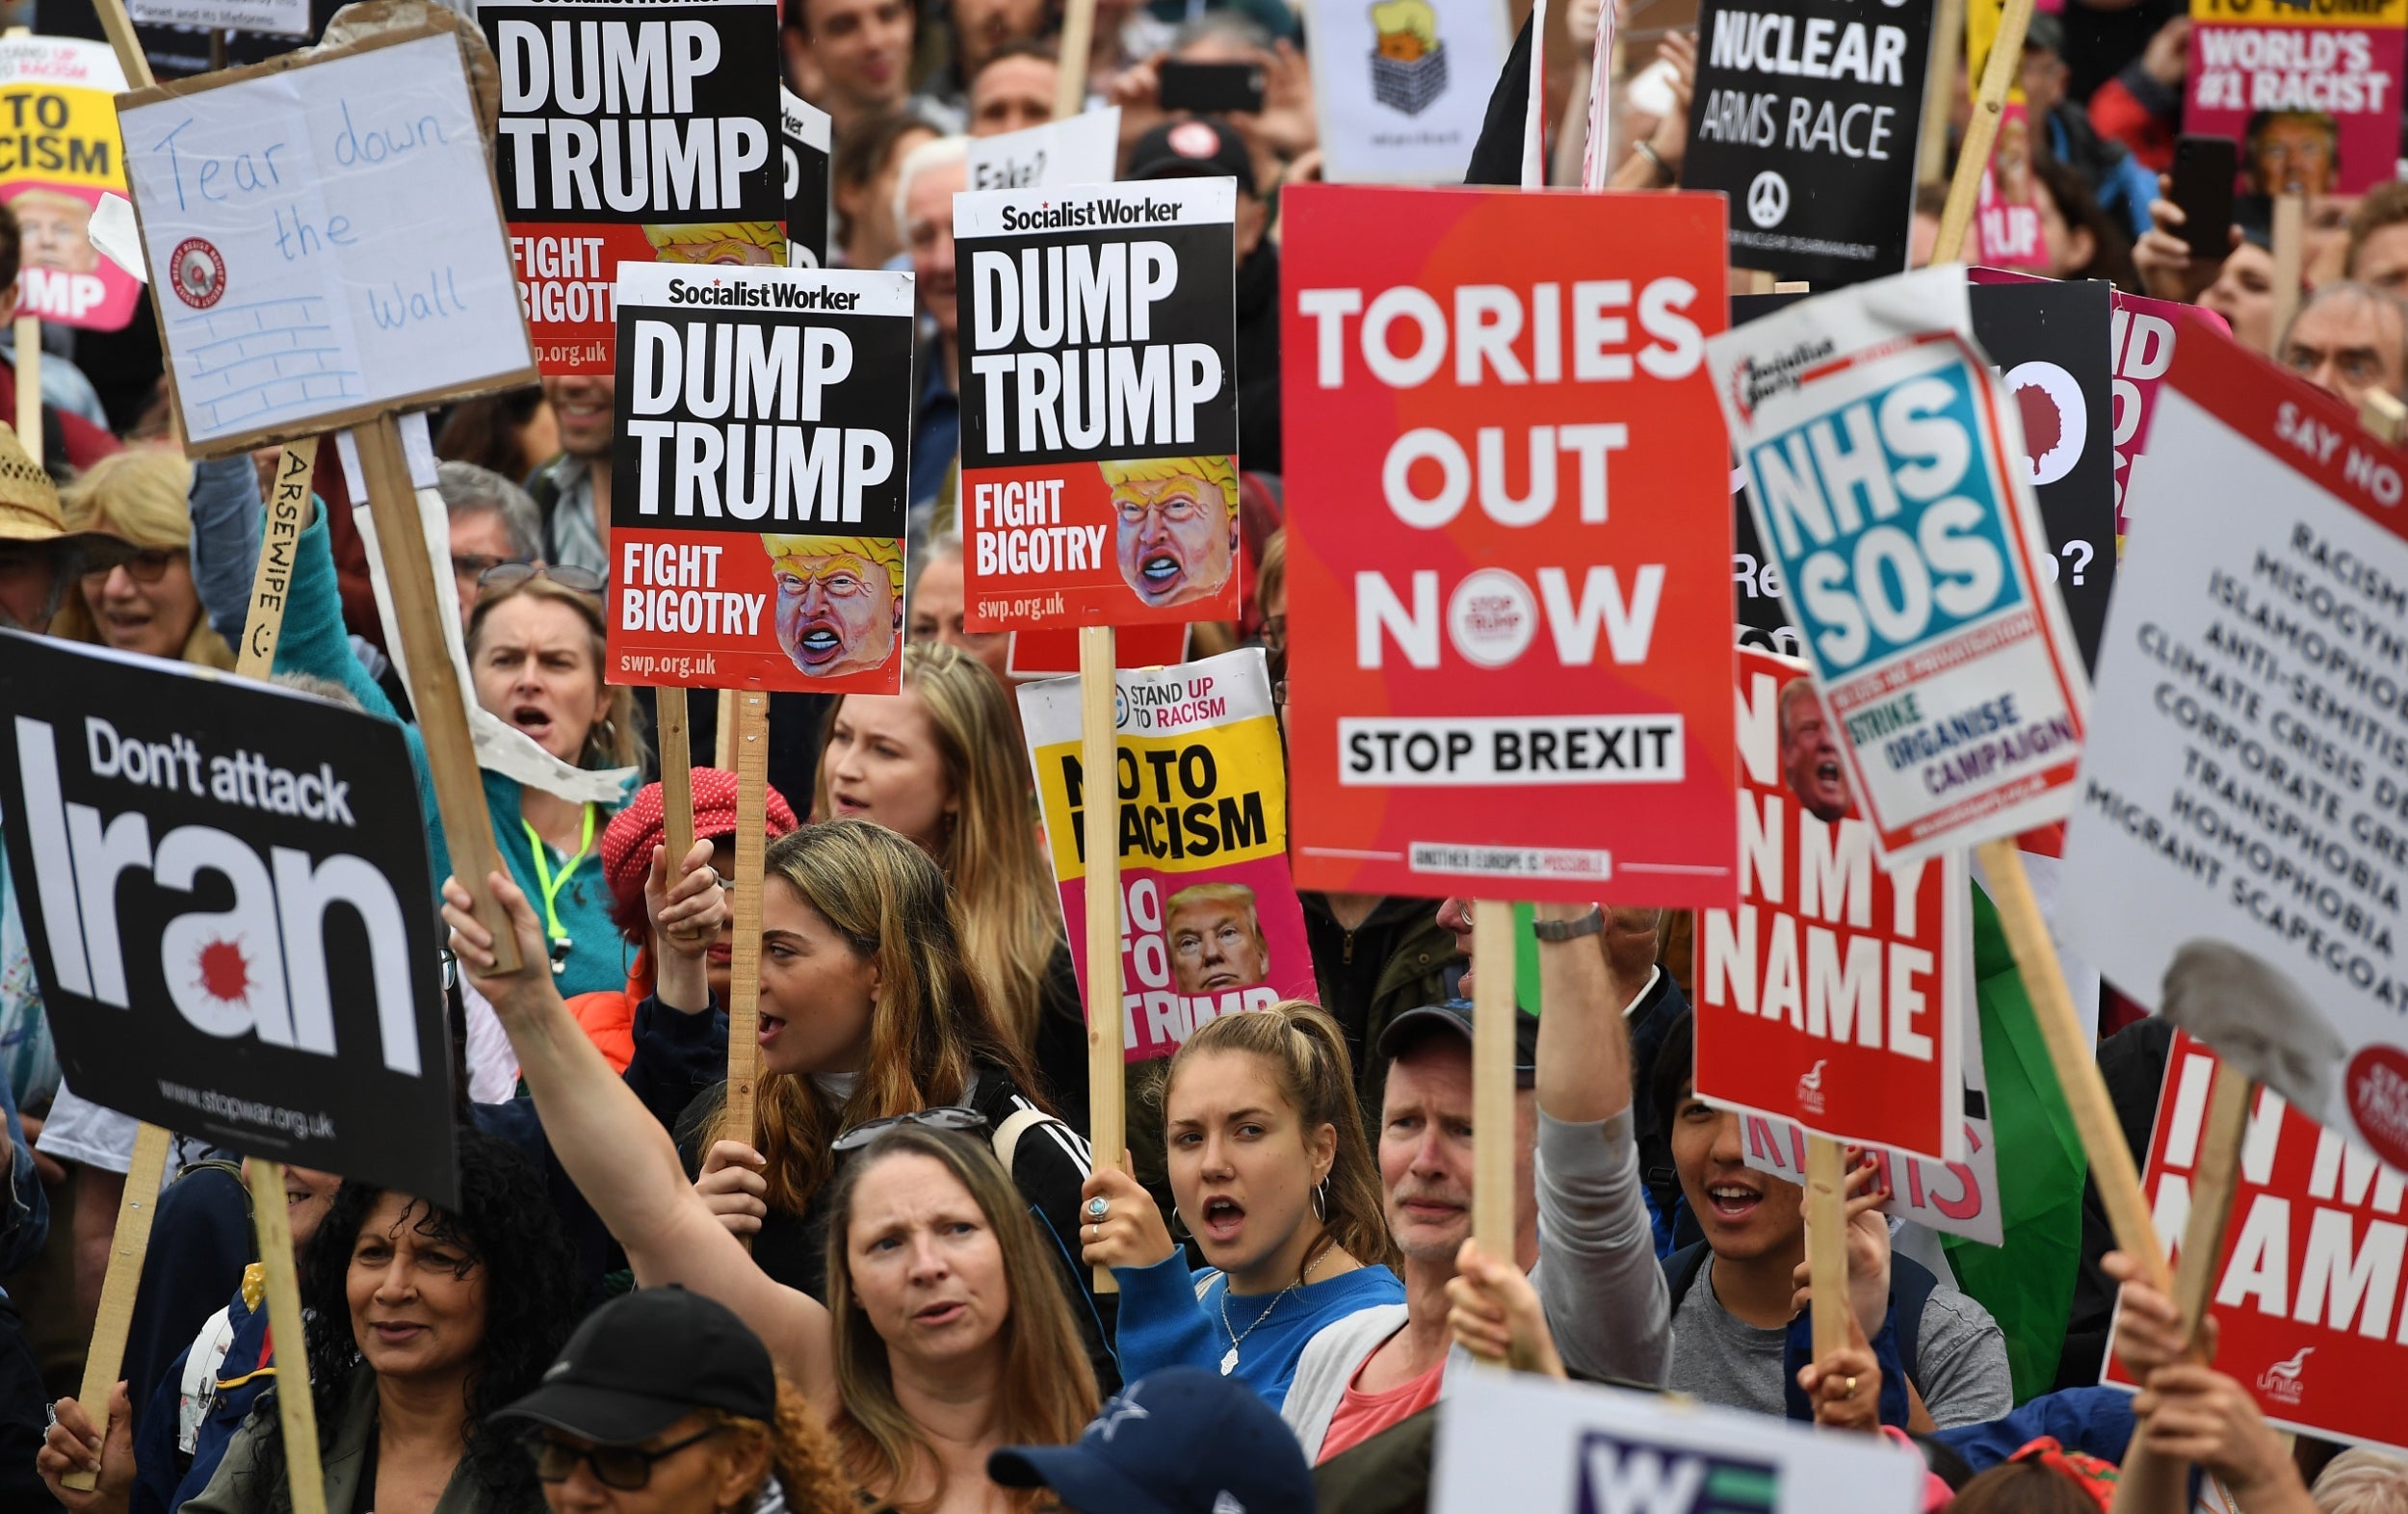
(225, 888)
(1806, 115)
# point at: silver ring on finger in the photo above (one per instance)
(1098, 1207)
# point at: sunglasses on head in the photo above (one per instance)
(627, 1468)
(944, 1117)
(504, 575)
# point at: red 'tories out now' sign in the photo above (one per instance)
(2308, 1297)
(1509, 541)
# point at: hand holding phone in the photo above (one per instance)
(2204, 171)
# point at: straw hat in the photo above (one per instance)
(29, 509)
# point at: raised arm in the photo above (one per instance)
(1597, 1271)
(620, 1158)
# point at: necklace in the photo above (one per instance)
(1236, 1337)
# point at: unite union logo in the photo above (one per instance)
(1810, 1086)
(2281, 1381)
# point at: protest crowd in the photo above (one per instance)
(768, 1160)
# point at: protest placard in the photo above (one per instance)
(2311, 92)
(1099, 416)
(1834, 995)
(1885, 471)
(1955, 1198)
(269, 18)
(1054, 654)
(631, 133)
(229, 913)
(1514, 1440)
(807, 137)
(284, 211)
(1077, 149)
(1562, 730)
(1806, 114)
(2307, 1294)
(62, 155)
(764, 442)
(1401, 87)
(1210, 923)
(2235, 857)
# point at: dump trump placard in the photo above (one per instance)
(1887, 475)
(764, 442)
(1099, 403)
(1209, 920)
(1509, 591)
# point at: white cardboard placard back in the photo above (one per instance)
(1401, 87)
(1082, 149)
(273, 17)
(1513, 1441)
(325, 241)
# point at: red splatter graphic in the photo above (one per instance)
(224, 972)
(2043, 426)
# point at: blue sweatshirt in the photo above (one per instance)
(1164, 1323)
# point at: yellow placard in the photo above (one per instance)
(2302, 13)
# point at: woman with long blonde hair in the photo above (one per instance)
(946, 1334)
(869, 1010)
(943, 764)
(147, 602)
(535, 658)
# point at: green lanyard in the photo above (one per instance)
(552, 928)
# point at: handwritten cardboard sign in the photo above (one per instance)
(324, 240)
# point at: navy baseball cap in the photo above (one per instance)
(1204, 147)
(1454, 1017)
(1179, 1441)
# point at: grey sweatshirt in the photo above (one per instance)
(1597, 1277)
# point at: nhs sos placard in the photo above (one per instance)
(1508, 550)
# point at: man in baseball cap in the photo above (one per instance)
(1179, 1441)
(1207, 147)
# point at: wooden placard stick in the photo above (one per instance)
(2212, 1181)
(1982, 132)
(724, 736)
(2290, 261)
(434, 687)
(1078, 43)
(279, 540)
(1099, 762)
(748, 711)
(297, 1413)
(677, 776)
(28, 417)
(119, 26)
(1947, 44)
(1493, 1123)
(118, 1286)
(1791, 286)
(2384, 417)
(2076, 1065)
(1826, 1242)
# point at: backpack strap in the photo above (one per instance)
(1018, 1124)
(1679, 1271)
(1911, 1286)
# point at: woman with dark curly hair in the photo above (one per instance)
(422, 1324)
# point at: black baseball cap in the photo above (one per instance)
(644, 1361)
(1179, 1441)
(2045, 35)
(1201, 147)
(1454, 1016)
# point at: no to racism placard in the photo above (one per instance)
(1209, 920)
(1508, 588)
(2311, 92)
(1834, 995)
(1099, 403)
(284, 213)
(1806, 114)
(59, 153)
(1513, 1441)
(1884, 466)
(225, 890)
(2308, 1303)
(2236, 858)
(631, 133)
(764, 442)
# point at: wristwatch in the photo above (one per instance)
(1591, 924)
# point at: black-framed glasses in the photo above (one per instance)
(504, 575)
(148, 566)
(944, 1117)
(477, 565)
(627, 1468)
